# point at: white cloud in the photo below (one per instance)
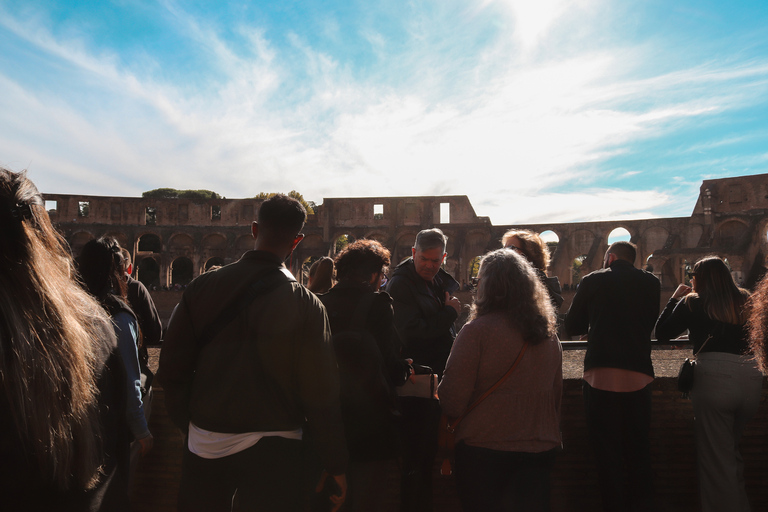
(512, 143)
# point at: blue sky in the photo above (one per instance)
(545, 111)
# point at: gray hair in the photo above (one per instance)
(429, 239)
(509, 284)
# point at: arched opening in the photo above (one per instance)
(150, 243)
(148, 272)
(341, 242)
(213, 262)
(577, 269)
(215, 241)
(474, 269)
(181, 242)
(550, 238)
(181, 271)
(619, 235)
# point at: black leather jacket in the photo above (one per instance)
(422, 318)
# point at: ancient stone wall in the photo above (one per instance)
(174, 240)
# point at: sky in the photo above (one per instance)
(539, 111)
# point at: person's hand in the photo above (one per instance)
(338, 500)
(682, 291)
(146, 444)
(453, 302)
(341, 482)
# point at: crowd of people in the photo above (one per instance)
(305, 398)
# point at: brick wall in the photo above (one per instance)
(574, 481)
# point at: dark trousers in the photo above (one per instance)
(619, 426)
(419, 423)
(265, 477)
(493, 480)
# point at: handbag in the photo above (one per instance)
(686, 373)
(447, 432)
(420, 386)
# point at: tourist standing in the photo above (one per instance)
(62, 391)
(370, 366)
(617, 308)
(727, 385)
(247, 367)
(425, 312)
(506, 445)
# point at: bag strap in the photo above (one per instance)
(702, 345)
(451, 427)
(265, 281)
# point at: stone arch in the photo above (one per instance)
(472, 270)
(619, 233)
(340, 241)
(78, 240)
(212, 262)
(148, 271)
(578, 270)
(214, 242)
(181, 271)
(731, 233)
(150, 242)
(181, 243)
(581, 241)
(552, 239)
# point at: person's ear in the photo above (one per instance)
(297, 240)
(255, 230)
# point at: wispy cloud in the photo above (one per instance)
(489, 120)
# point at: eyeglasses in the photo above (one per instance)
(691, 275)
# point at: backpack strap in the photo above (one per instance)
(265, 281)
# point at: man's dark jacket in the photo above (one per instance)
(270, 369)
(422, 318)
(618, 307)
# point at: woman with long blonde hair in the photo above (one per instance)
(727, 385)
(56, 347)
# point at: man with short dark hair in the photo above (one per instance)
(248, 369)
(617, 308)
(425, 312)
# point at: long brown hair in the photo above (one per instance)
(48, 331)
(722, 299)
(509, 284)
(758, 323)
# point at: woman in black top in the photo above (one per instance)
(727, 387)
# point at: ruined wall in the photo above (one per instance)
(174, 240)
